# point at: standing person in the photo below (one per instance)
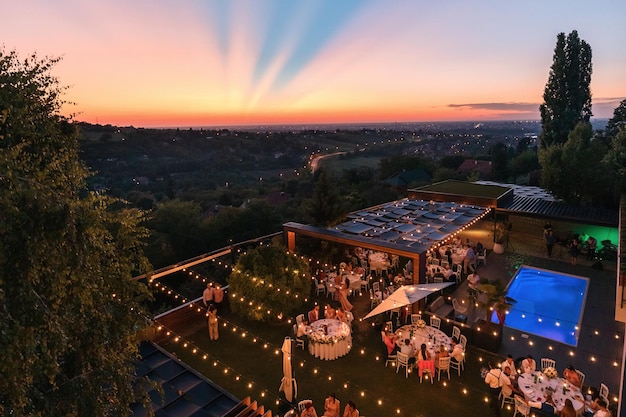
(343, 295)
(495, 379)
(574, 250)
(550, 241)
(218, 297)
(207, 295)
(470, 259)
(350, 410)
(592, 244)
(332, 406)
(213, 326)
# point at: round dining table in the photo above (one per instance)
(431, 337)
(329, 339)
(536, 391)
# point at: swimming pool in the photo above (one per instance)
(549, 304)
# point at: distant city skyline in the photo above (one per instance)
(265, 62)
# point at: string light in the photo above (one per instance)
(194, 350)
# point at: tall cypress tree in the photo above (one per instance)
(567, 96)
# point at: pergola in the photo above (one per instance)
(410, 227)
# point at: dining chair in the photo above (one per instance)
(445, 264)
(319, 287)
(521, 407)
(376, 286)
(389, 326)
(402, 359)
(463, 341)
(481, 257)
(435, 322)
(581, 376)
(458, 366)
(456, 332)
(415, 318)
(391, 359)
(302, 404)
(330, 290)
(299, 342)
(546, 363)
(299, 319)
(604, 392)
(444, 366)
(438, 280)
(458, 308)
(365, 284)
(427, 371)
(506, 399)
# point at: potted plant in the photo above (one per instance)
(491, 298)
(500, 232)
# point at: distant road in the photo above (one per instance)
(316, 160)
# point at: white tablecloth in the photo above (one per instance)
(329, 346)
(458, 253)
(536, 391)
(431, 337)
(378, 260)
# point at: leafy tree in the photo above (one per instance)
(617, 121)
(68, 311)
(268, 283)
(567, 96)
(573, 164)
(325, 205)
(615, 160)
(499, 161)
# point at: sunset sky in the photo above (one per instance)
(181, 63)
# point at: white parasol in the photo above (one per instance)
(288, 384)
(407, 294)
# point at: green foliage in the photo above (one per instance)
(267, 283)
(577, 162)
(69, 313)
(567, 96)
(326, 205)
(618, 121)
(493, 298)
(615, 161)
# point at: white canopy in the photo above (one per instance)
(407, 294)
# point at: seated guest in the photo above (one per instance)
(510, 388)
(457, 352)
(341, 315)
(572, 376)
(350, 410)
(568, 409)
(329, 312)
(547, 406)
(332, 407)
(529, 365)
(303, 328)
(443, 353)
(314, 315)
(390, 341)
(424, 361)
(407, 349)
(511, 364)
(309, 410)
(600, 408)
(472, 281)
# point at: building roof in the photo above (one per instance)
(187, 393)
(537, 202)
(402, 226)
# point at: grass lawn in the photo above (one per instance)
(247, 361)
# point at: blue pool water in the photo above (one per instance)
(549, 304)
